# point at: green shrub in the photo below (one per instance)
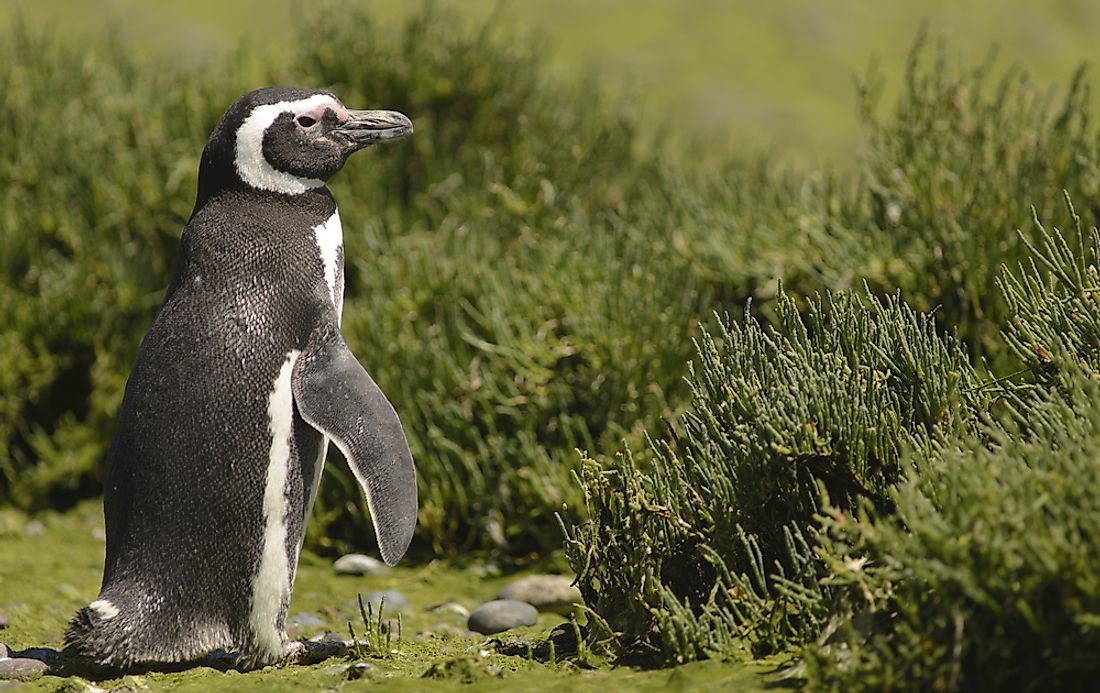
(503, 290)
(502, 364)
(708, 550)
(717, 535)
(953, 174)
(987, 577)
(1053, 325)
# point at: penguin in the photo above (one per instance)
(238, 387)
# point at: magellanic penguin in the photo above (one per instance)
(239, 384)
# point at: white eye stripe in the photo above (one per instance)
(249, 159)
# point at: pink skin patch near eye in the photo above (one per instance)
(317, 113)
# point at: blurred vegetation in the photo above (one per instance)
(855, 467)
(503, 294)
(99, 157)
(772, 77)
(955, 172)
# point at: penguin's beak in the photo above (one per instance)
(364, 128)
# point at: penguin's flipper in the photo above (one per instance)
(335, 395)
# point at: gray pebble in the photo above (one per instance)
(4, 651)
(450, 607)
(500, 615)
(310, 652)
(552, 593)
(359, 564)
(34, 528)
(395, 601)
(4, 622)
(306, 620)
(22, 669)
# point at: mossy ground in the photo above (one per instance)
(52, 565)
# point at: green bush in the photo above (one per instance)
(965, 559)
(503, 290)
(953, 174)
(501, 367)
(986, 574)
(708, 550)
(718, 535)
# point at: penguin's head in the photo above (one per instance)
(289, 140)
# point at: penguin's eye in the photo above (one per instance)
(305, 121)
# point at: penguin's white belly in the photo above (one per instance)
(273, 581)
(271, 587)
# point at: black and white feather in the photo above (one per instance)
(239, 385)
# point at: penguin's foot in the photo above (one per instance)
(307, 652)
(298, 653)
(220, 659)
